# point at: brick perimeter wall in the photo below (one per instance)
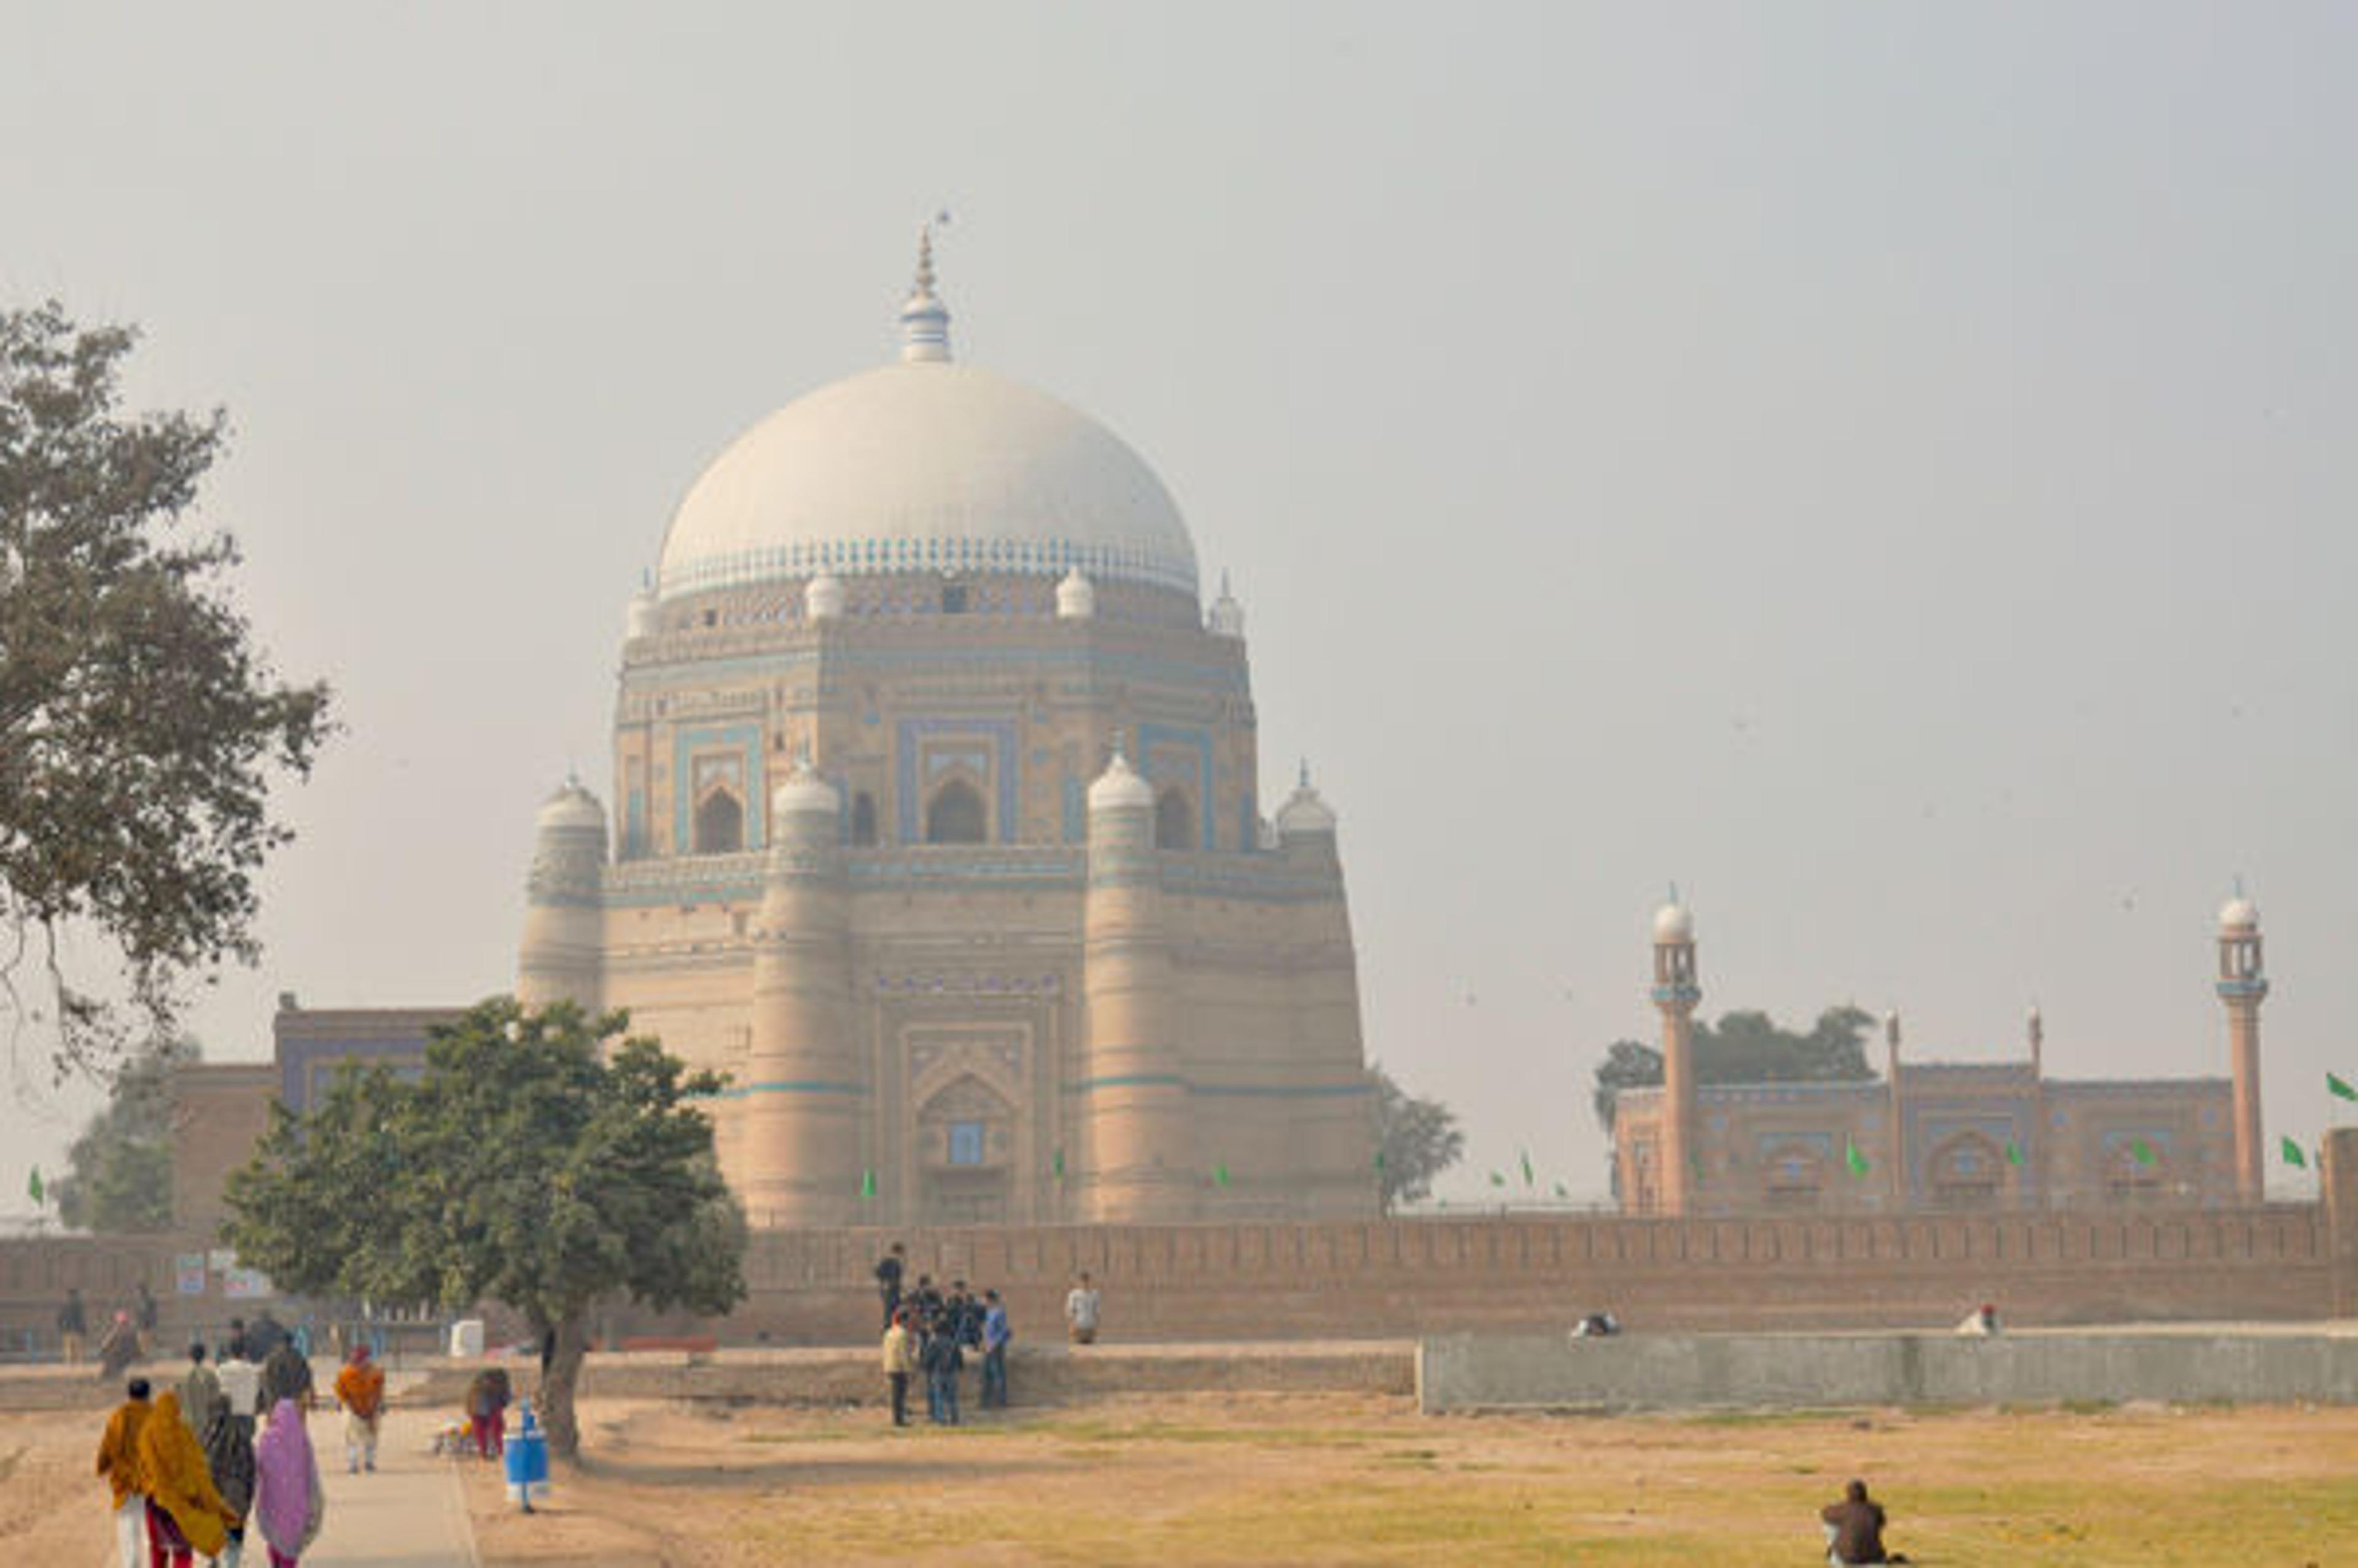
(1409, 1278)
(1403, 1279)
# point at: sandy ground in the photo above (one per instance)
(1346, 1479)
(1351, 1479)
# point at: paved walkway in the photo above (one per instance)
(409, 1514)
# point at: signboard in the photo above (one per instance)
(245, 1284)
(220, 1259)
(188, 1270)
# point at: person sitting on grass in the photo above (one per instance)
(1855, 1529)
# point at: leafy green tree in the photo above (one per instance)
(140, 729)
(119, 1172)
(1746, 1047)
(1416, 1140)
(535, 1163)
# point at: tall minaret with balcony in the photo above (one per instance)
(1676, 993)
(2243, 986)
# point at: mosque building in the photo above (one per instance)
(938, 830)
(1942, 1135)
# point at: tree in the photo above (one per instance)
(1416, 1140)
(532, 1163)
(140, 728)
(1746, 1047)
(119, 1172)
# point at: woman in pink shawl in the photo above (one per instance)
(287, 1502)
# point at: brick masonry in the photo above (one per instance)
(1404, 1279)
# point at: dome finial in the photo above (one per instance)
(925, 320)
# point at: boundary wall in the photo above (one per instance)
(1407, 1279)
(1464, 1372)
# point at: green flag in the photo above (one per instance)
(1379, 1162)
(868, 1184)
(2340, 1088)
(1855, 1160)
(1497, 1179)
(1060, 1165)
(2293, 1156)
(2142, 1151)
(34, 1186)
(1220, 1175)
(1560, 1191)
(2013, 1153)
(1527, 1167)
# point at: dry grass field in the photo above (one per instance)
(1336, 1479)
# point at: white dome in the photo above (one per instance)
(804, 794)
(927, 466)
(1119, 788)
(572, 806)
(1304, 811)
(2239, 913)
(1673, 922)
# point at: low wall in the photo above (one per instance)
(1409, 1279)
(1415, 1278)
(1466, 1372)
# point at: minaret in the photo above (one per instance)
(806, 1090)
(564, 922)
(1895, 1143)
(1676, 993)
(1333, 1139)
(2243, 986)
(1135, 1123)
(2031, 1175)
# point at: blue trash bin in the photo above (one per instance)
(527, 1457)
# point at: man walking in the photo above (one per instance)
(1081, 1308)
(995, 1335)
(198, 1391)
(359, 1389)
(118, 1467)
(900, 1361)
(241, 1382)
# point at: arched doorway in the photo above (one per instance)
(1175, 821)
(955, 816)
(720, 824)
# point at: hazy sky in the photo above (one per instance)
(1887, 468)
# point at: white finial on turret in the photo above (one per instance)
(1227, 617)
(925, 320)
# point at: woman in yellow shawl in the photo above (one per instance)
(185, 1514)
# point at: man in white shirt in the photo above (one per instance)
(240, 1381)
(1081, 1311)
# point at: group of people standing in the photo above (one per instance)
(929, 1331)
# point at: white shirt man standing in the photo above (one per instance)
(1081, 1311)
